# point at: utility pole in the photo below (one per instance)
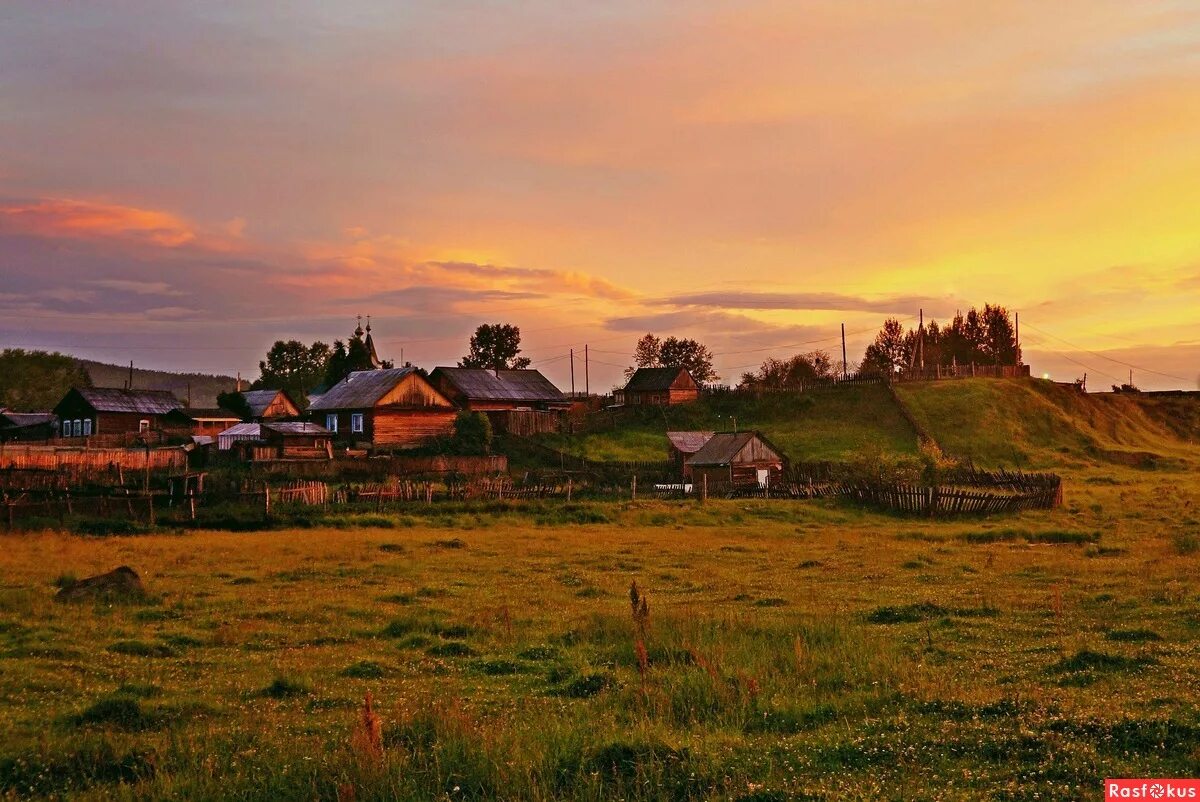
(131, 374)
(1017, 315)
(921, 338)
(845, 367)
(572, 373)
(587, 385)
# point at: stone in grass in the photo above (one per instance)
(120, 584)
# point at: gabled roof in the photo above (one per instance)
(295, 427)
(724, 447)
(14, 420)
(479, 384)
(259, 400)
(117, 399)
(653, 379)
(361, 389)
(689, 442)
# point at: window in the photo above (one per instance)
(143, 425)
(331, 422)
(66, 428)
(356, 423)
(78, 428)
(87, 427)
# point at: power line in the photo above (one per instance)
(1109, 358)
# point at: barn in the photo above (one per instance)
(270, 405)
(388, 408)
(27, 425)
(682, 446)
(87, 411)
(737, 461)
(519, 402)
(660, 387)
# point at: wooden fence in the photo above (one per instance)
(83, 463)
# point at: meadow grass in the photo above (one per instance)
(787, 650)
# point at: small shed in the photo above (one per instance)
(496, 390)
(660, 387)
(27, 425)
(270, 404)
(684, 445)
(296, 440)
(737, 461)
(238, 433)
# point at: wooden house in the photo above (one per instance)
(270, 405)
(27, 425)
(239, 433)
(88, 411)
(659, 387)
(684, 445)
(737, 461)
(200, 422)
(390, 408)
(295, 440)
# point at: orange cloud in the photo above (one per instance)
(88, 220)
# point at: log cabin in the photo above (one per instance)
(88, 411)
(388, 408)
(295, 440)
(660, 387)
(737, 461)
(270, 405)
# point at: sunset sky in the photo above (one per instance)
(182, 184)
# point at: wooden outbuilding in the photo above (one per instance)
(390, 408)
(482, 390)
(659, 387)
(27, 425)
(684, 445)
(88, 411)
(295, 440)
(270, 405)
(239, 433)
(200, 422)
(737, 461)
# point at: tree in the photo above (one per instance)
(338, 366)
(887, 352)
(236, 403)
(690, 354)
(791, 372)
(646, 354)
(999, 344)
(495, 346)
(34, 381)
(293, 366)
(472, 433)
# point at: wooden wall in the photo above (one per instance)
(405, 428)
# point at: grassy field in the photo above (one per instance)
(792, 650)
(821, 426)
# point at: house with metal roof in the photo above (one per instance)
(87, 411)
(27, 425)
(483, 390)
(737, 460)
(682, 446)
(659, 387)
(270, 404)
(388, 408)
(239, 433)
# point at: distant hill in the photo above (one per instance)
(203, 386)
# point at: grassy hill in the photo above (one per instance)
(204, 387)
(1036, 423)
(820, 426)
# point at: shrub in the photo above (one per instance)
(364, 669)
(285, 687)
(1185, 543)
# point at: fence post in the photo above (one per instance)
(703, 488)
(150, 508)
(568, 489)
(266, 500)
(633, 488)
(192, 504)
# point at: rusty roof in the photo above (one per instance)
(480, 384)
(118, 399)
(689, 442)
(361, 389)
